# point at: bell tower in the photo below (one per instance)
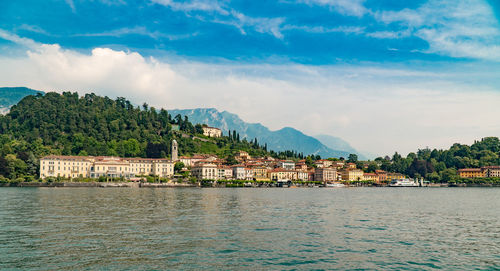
(175, 151)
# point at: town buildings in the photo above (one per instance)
(211, 167)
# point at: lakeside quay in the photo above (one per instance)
(97, 185)
(202, 185)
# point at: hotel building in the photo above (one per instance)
(97, 166)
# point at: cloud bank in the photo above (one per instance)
(377, 109)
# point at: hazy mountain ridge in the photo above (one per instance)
(338, 143)
(283, 139)
(10, 96)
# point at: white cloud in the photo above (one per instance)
(322, 29)
(461, 28)
(227, 16)
(71, 4)
(376, 109)
(137, 30)
(347, 7)
(194, 5)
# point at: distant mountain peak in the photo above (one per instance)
(286, 138)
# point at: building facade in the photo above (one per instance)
(105, 166)
(205, 171)
(282, 175)
(492, 171)
(325, 175)
(352, 175)
(290, 165)
(212, 132)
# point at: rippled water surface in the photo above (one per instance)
(250, 229)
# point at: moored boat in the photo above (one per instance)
(403, 183)
(334, 185)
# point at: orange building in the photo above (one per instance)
(472, 173)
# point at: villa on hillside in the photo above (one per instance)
(212, 131)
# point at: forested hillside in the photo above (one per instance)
(442, 165)
(68, 124)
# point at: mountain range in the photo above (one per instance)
(286, 138)
(283, 139)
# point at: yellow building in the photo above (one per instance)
(394, 176)
(260, 173)
(352, 175)
(472, 173)
(371, 177)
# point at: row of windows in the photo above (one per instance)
(64, 163)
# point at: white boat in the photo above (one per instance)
(335, 185)
(403, 183)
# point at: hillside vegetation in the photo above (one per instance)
(68, 124)
(442, 165)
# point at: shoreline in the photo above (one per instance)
(186, 185)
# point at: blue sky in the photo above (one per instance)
(315, 32)
(385, 75)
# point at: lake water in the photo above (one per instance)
(250, 229)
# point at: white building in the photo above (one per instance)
(212, 132)
(290, 165)
(205, 171)
(303, 175)
(239, 172)
(224, 173)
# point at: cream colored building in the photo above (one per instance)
(260, 173)
(95, 167)
(65, 166)
(212, 132)
(371, 177)
(323, 163)
(282, 175)
(203, 171)
(491, 171)
(325, 175)
(242, 156)
(302, 175)
(151, 166)
(224, 173)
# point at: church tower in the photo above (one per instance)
(175, 151)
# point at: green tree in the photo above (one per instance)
(353, 158)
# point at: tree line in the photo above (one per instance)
(440, 165)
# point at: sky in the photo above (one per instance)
(385, 75)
